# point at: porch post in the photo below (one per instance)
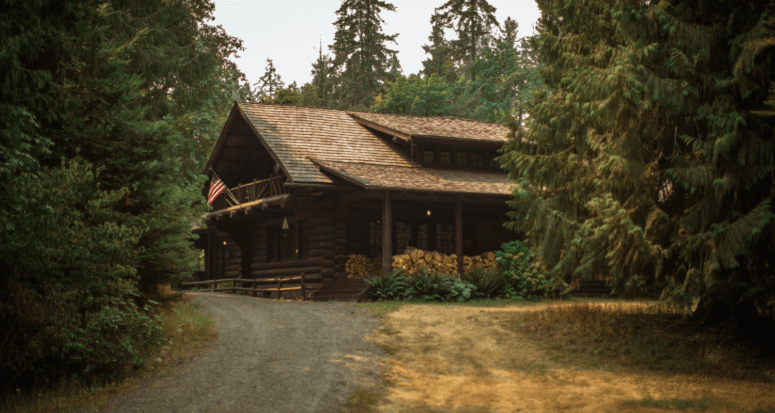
(459, 236)
(387, 240)
(207, 255)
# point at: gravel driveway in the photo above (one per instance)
(271, 356)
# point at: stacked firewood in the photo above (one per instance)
(485, 260)
(413, 259)
(361, 266)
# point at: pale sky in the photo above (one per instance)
(289, 31)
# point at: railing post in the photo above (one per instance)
(303, 290)
(254, 287)
(214, 284)
(280, 287)
(234, 286)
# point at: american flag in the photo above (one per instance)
(216, 187)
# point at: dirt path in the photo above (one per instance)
(463, 359)
(271, 356)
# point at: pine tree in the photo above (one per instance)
(472, 21)
(269, 83)
(323, 77)
(361, 54)
(649, 157)
(440, 62)
(103, 107)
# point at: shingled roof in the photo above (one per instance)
(314, 144)
(295, 133)
(433, 126)
(370, 176)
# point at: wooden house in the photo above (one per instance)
(349, 183)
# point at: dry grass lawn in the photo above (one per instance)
(528, 358)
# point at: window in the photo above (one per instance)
(493, 164)
(445, 238)
(287, 244)
(403, 236)
(461, 159)
(217, 261)
(477, 160)
(445, 157)
(428, 157)
(375, 238)
(422, 236)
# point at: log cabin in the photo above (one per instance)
(314, 186)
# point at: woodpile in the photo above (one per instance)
(485, 260)
(361, 266)
(414, 258)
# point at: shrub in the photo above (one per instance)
(389, 286)
(429, 285)
(488, 282)
(523, 277)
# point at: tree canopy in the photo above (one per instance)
(507, 75)
(473, 21)
(107, 111)
(649, 155)
(361, 55)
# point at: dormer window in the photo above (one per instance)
(461, 159)
(477, 160)
(445, 157)
(428, 157)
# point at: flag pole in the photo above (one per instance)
(225, 187)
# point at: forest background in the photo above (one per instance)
(652, 122)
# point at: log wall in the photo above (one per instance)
(340, 241)
(320, 216)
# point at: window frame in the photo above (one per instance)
(279, 250)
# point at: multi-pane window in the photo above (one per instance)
(428, 157)
(287, 244)
(445, 238)
(403, 236)
(422, 236)
(445, 157)
(477, 160)
(461, 159)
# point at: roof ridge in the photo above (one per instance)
(350, 112)
(291, 106)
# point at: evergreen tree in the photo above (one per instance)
(361, 54)
(323, 78)
(650, 156)
(102, 106)
(440, 62)
(270, 82)
(472, 21)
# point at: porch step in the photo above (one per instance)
(592, 289)
(342, 290)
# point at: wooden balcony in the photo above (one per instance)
(251, 192)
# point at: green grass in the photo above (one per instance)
(196, 334)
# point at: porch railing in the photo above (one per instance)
(252, 192)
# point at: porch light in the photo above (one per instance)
(429, 212)
(224, 242)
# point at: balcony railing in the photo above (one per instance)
(252, 192)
